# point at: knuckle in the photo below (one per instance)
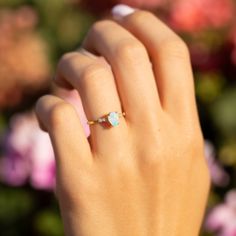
(150, 164)
(100, 26)
(130, 50)
(141, 16)
(93, 74)
(59, 112)
(40, 102)
(175, 48)
(65, 58)
(152, 156)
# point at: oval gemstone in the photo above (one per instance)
(113, 118)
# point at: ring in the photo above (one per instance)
(112, 118)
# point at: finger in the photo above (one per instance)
(132, 69)
(69, 141)
(170, 59)
(94, 80)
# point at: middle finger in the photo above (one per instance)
(132, 69)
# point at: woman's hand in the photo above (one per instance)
(147, 176)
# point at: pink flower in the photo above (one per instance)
(29, 154)
(194, 15)
(218, 176)
(42, 174)
(28, 150)
(222, 218)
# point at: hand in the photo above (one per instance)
(147, 176)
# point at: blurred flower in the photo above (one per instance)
(23, 61)
(218, 176)
(222, 218)
(194, 15)
(28, 154)
(28, 150)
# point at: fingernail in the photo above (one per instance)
(121, 10)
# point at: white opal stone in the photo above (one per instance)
(113, 118)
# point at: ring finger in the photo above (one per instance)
(93, 78)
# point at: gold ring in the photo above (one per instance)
(112, 118)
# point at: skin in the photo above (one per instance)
(147, 176)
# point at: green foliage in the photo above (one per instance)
(223, 112)
(16, 206)
(12, 201)
(11, 3)
(209, 86)
(48, 223)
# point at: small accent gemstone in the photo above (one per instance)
(100, 120)
(113, 118)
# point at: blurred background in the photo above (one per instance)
(33, 36)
